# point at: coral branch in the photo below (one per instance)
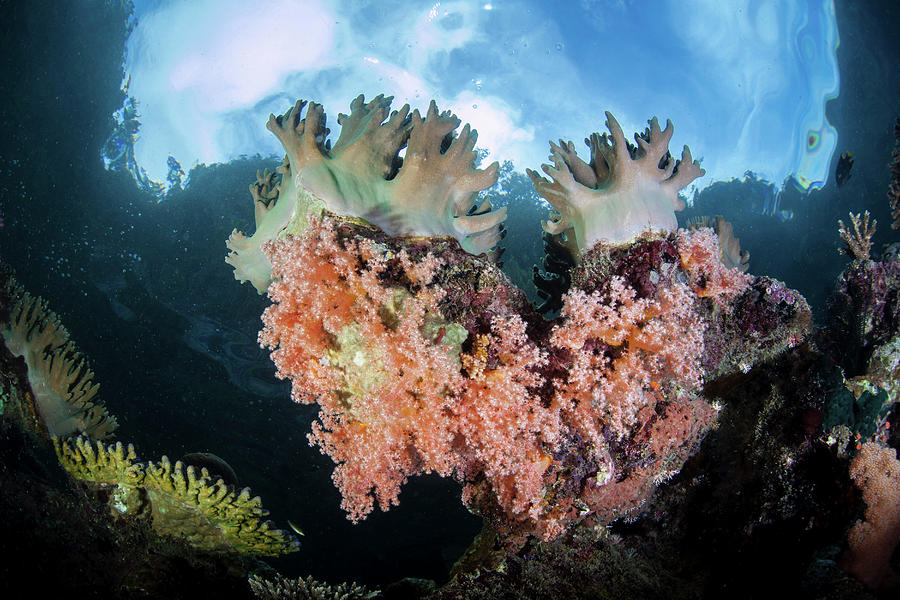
(859, 241)
(302, 138)
(435, 190)
(367, 141)
(274, 207)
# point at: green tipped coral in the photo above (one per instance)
(111, 465)
(179, 500)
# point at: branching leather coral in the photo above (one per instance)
(623, 192)
(430, 191)
(275, 203)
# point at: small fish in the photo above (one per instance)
(296, 529)
(844, 167)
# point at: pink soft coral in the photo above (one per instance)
(623, 349)
(393, 399)
(359, 327)
(875, 471)
(508, 433)
(357, 348)
(709, 276)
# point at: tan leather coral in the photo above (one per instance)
(623, 192)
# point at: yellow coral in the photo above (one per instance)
(179, 500)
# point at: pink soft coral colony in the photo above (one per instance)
(390, 314)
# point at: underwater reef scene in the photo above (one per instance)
(417, 376)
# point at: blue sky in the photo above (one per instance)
(745, 82)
